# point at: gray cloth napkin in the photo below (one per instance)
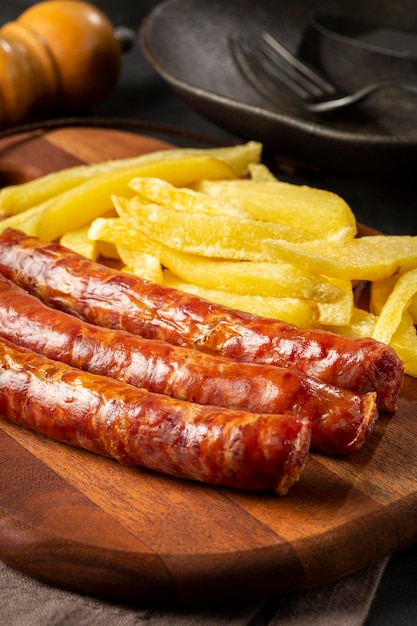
(346, 602)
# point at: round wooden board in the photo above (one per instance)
(84, 523)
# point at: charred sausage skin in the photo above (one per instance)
(341, 420)
(118, 300)
(215, 445)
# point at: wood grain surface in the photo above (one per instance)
(84, 523)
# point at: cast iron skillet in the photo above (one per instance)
(187, 43)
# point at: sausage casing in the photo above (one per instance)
(341, 419)
(136, 427)
(114, 299)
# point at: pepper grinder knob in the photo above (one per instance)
(58, 55)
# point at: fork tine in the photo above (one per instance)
(275, 72)
(276, 65)
(303, 68)
(251, 62)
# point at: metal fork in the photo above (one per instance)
(275, 71)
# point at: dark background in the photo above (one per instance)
(387, 205)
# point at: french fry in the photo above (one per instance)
(302, 313)
(366, 258)
(244, 277)
(380, 291)
(339, 311)
(77, 207)
(18, 198)
(106, 249)
(259, 172)
(250, 277)
(361, 324)
(321, 212)
(117, 232)
(79, 241)
(226, 237)
(412, 309)
(144, 265)
(396, 304)
(404, 342)
(163, 193)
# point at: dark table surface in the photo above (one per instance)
(389, 206)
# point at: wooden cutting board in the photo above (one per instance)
(84, 523)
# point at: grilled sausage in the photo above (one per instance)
(114, 299)
(236, 449)
(341, 419)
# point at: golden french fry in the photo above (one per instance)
(26, 221)
(396, 304)
(404, 342)
(381, 290)
(144, 265)
(106, 249)
(250, 277)
(361, 324)
(163, 193)
(321, 212)
(412, 309)
(18, 198)
(302, 313)
(259, 172)
(198, 233)
(239, 157)
(339, 311)
(365, 258)
(77, 207)
(245, 277)
(79, 241)
(116, 232)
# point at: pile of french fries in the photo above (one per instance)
(218, 223)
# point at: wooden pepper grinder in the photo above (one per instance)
(58, 55)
